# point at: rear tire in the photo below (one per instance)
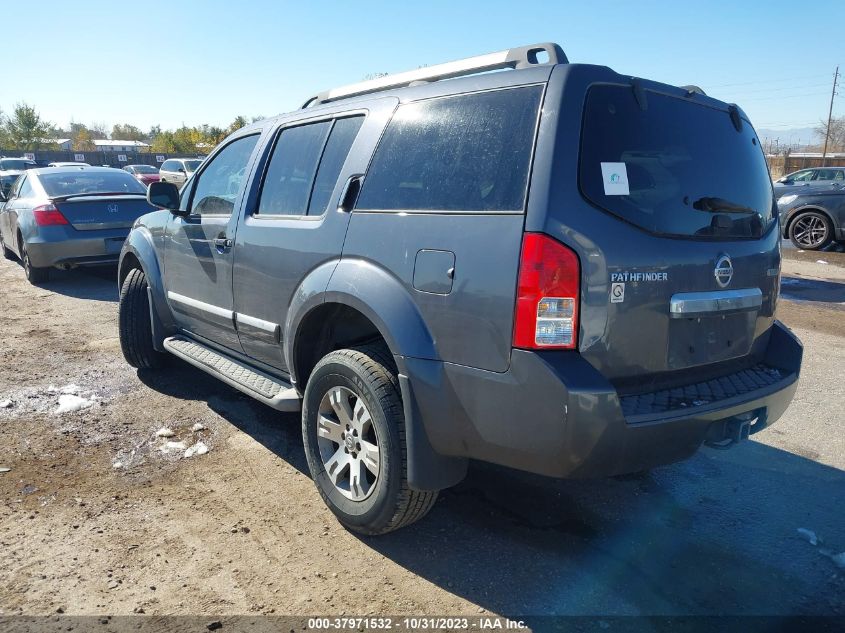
(136, 335)
(353, 422)
(34, 274)
(810, 231)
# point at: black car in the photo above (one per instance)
(813, 220)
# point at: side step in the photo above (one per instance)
(263, 387)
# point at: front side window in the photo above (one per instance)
(26, 190)
(168, 165)
(219, 184)
(803, 176)
(463, 153)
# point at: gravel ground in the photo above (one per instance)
(99, 515)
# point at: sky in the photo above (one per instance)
(193, 61)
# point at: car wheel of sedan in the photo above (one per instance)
(810, 231)
(353, 428)
(34, 274)
(136, 335)
(7, 253)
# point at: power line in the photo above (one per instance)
(808, 94)
(782, 88)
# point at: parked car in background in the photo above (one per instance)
(68, 164)
(69, 216)
(812, 219)
(144, 173)
(10, 169)
(813, 179)
(178, 170)
(374, 261)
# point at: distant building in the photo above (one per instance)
(105, 145)
(64, 144)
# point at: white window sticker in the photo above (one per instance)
(615, 178)
(617, 293)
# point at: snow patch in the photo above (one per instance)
(165, 432)
(5, 404)
(173, 446)
(69, 403)
(197, 449)
(821, 261)
(196, 428)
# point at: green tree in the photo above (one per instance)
(25, 128)
(237, 124)
(127, 132)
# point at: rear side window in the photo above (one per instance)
(673, 167)
(287, 184)
(337, 148)
(463, 153)
(305, 166)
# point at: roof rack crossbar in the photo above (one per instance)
(520, 57)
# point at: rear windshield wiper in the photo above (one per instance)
(715, 205)
(95, 194)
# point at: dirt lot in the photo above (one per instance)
(97, 519)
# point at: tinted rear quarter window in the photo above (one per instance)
(462, 153)
(337, 148)
(684, 161)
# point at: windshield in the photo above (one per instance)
(144, 169)
(673, 167)
(74, 182)
(191, 165)
(16, 163)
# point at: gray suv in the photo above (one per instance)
(556, 268)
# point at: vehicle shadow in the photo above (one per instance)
(800, 289)
(714, 535)
(278, 432)
(717, 534)
(97, 283)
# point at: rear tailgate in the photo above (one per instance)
(670, 208)
(91, 213)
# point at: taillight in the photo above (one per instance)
(547, 295)
(48, 215)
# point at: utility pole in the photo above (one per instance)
(829, 117)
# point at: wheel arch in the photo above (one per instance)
(139, 252)
(807, 209)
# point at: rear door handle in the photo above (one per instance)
(223, 244)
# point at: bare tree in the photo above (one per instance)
(836, 142)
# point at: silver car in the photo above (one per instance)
(178, 170)
(68, 216)
(810, 181)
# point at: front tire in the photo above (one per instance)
(34, 274)
(810, 231)
(353, 429)
(136, 336)
(7, 253)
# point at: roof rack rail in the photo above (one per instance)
(520, 57)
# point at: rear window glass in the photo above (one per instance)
(13, 163)
(61, 183)
(688, 171)
(464, 153)
(144, 169)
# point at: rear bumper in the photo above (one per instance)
(554, 414)
(81, 248)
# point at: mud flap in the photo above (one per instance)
(427, 469)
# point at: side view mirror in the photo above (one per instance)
(181, 170)
(164, 195)
(2, 195)
(785, 180)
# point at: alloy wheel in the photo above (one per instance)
(810, 231)
(348, 443)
